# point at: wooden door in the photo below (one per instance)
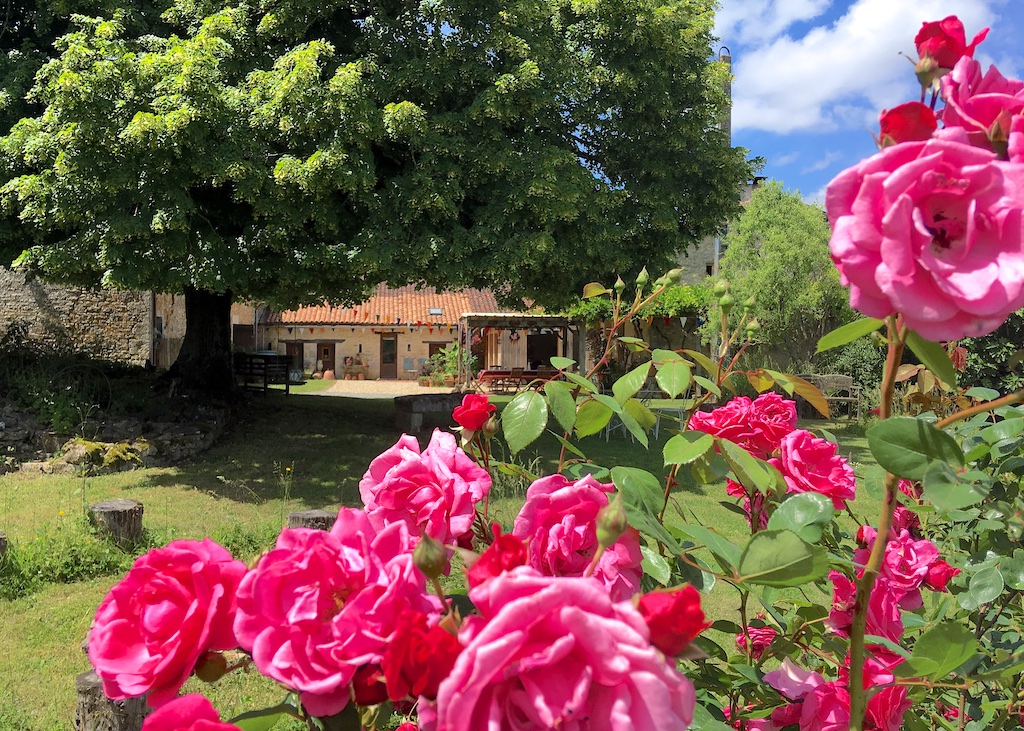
(389, 355)
(325, 352)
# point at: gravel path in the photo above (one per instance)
(381, 389)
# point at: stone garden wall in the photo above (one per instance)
(107, 324)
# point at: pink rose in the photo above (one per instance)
(434, 492)
(904, 519)
(931, 230)
(191, 712)
(883, 618)
(173, 605)
(939, 574)
(558, 523)
(792, 681)
(760, 639)
(811, 464)
(885, 707)
(758, 426)
(905, 564)
(473, 412)
(983, 105)
(320, 605)
(945, 41)
(557, 653)
(905, 123)
(826, 708)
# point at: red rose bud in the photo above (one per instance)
(674, 618)
(430, 557)
(504, 554)
(939, 574)
(418, 657)
(908, 122)
(368, 688)
(611, 522)
(945, 41)
(212, 666)
(473, 412)
(408, 726)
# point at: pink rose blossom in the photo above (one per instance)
(558, 522)
(557, 653)
(760, 639)
(320, 605)
(931, 230)
(982, 105)
(826, 708)
(759, 504)
(793, 681)
(811, 464)
(883, 618)
(904, 519)
(173, 605)
(905, 564)
(758, 426)
(191, 712)
(434, 492)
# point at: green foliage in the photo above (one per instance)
(861, 359)
(988, 357)
(777, 253)
(675, 301)
(292, 151)
(445, 362)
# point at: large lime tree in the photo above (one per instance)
(289, 151)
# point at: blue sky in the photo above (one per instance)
(811, 76)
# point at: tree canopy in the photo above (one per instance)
(777, 253)
(289, 151)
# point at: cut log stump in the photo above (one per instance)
(318, 519)
(120, 520)
(96, 712)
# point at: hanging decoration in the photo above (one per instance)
(513, 336)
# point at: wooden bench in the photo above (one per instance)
(837, 389)
(260, 370)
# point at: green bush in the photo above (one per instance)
(988, 357)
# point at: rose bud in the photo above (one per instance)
(674, 618)
(211, 667)
(430, 557)
(908, 122)
(611, 522)
(939, 574)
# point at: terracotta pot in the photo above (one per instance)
(328, 375)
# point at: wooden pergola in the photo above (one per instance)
(477, 321)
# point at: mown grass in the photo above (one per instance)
(280, 454)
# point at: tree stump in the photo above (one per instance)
(96, 712)
(121, 520)
(318, 519)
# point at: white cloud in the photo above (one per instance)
(823, 162)
(754, 21)
(836, 76)
(786, 159)
(817, 198)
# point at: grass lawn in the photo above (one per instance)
(281, 454)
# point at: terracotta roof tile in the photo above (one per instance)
(394, 306)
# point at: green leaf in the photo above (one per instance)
(750, 472)
(633, 427)
(648, 524)
(687, 446)
(523, 420)
(906, 446)
(948, 490)
(643, 415)
(627, 386)
(673, 373)
(608, 401)
(980, 392)
(569, 446)
(591, 418)
(721, 547)
(811, 393)
(1012, 570)
(940, 651)
(704, 721)
(594, 289)
(584, 383)
(806, 514)
(561, 403)
(984, 587)
(704, 362)
(265, 718)
(848, 333)
(639, 488)
(709, 386)
(781, 558)
(934, 357)
(655, 565)
(562, 364)
(1005, 429)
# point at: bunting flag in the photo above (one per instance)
(289, 331)
(310, 331)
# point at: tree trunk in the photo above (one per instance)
(204, 362)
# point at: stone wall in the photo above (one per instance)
(107, 324)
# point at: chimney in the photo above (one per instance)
(725, 56)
